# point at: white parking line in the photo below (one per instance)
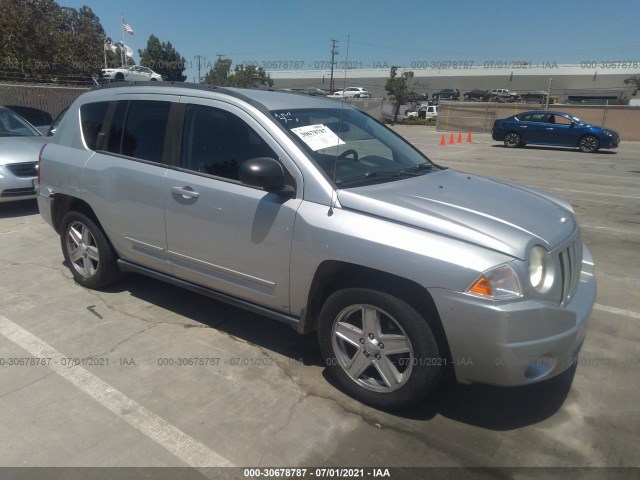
(617, 311)
(190, 451)
(23, 229)
(608, 229)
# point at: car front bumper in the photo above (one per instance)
(519, 342)
(14, 188)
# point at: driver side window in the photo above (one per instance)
(216, 142)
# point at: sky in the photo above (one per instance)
(297, 34)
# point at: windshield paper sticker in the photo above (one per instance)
(318, 136)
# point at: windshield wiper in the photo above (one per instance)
(379, 174)
(421, 167)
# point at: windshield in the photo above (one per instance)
(13, 125)
(352, 147)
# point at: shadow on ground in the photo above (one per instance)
(485, 406)
(18, 209)
(557, 149)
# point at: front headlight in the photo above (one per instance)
(541, 271)
(499, 283)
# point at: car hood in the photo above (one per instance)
(498, 215)
(20, 149)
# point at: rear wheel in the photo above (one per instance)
(378, 348)
(91, 258)
(119, 77)
(589, 144)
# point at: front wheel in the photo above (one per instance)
(378, 348)
(589, 144)
(512, 140)
(89, 254)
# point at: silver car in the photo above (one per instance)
(312, 213)
(20, 144)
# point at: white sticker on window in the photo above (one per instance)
(317, 136)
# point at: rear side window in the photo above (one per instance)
(91, 117)
(138, 129)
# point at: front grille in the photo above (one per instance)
(27, 169)
(571, 265)
(17, 192)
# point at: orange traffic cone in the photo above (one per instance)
(469, 138)
(459, 138)
(442, 142)
(451, 139)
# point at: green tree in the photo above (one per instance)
(163, 59)
(251, 76)
(42, 41)
(219, 73)
(398, 87)
(248, 76)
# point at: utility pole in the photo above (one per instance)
(219, 55)
(334, 51)
(546, 105)
(199, 57)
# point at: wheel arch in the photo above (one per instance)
(65, 203)
(334, 275)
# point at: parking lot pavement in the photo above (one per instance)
(145, 374)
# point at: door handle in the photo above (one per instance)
(185, 192)
(549, 128)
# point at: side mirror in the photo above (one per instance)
(265, 173)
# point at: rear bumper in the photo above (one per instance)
(515, 343)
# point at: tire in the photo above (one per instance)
(512, 140)
(119, 77)
(154, 79)
(589, 144)
(355, 324)
(89, 254)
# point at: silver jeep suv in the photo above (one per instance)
(312, 213)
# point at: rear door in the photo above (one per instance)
(222, 234)
(532, 127)
(124, 179)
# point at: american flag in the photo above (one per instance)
(127, 28)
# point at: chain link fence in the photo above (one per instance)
(478, 117)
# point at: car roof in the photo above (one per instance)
(269, 99)
(548, 112)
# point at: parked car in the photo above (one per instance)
(428, 111)
(538, 96)
(134, 73)
(477, 95)
(315, 91)
(331, 223)
(504, 95)
(543, 127)
(448, 94)
(20, 144)
(351, 92)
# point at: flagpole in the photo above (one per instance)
(123, 51)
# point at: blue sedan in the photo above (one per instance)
(553, 128)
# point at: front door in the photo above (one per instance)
(222, 234)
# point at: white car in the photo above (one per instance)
(134, 73)
(425, 111)
(351, 92)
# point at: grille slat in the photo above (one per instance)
(26, 169)
(571, 265)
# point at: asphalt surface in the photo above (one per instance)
(257, 394)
